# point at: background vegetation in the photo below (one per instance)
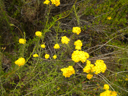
(104, 25)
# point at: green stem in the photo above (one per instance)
(77, 17)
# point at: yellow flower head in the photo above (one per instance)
(79, 56)
(20, 61)
(83, 56)
(106, 93)
(88, 67)
(38, 33)
(114, 93)
(78, 44)
(35, 55)
(22, 41)
(65, 40)
(89, 76)
(109, 18)
(47, 56)
(100, 66)
(76, 30)
(42, 45)
(56, 2)
(106, 86)
(54, 57)
(46, 2)
(67, 72)
(56, 46)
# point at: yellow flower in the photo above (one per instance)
(42, 45)
(38, 33)
(106, 86)
(22, 41)
(56, 2)
(47, 56)
(106, 93)
(79, 56)
(67, 72)
(89, 76)
(88, 67)
(76, 30)
(78, 44)
(65, 40)
(114, 93)
(100, 66)
(20, 61)
(109, 18)
(83, 56)
(46, 2)
(56, 46)
(54, 57)
(35, 55)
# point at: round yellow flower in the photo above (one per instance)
(47, 56)
(42, 45)
(20, 61)
(65, 40)
(76, 30)
(100, 66)
(56, 46)
(56, 2)
(106, 93)
(89, 76)
(67, 72)
(54, 57)
(106, 86)
(78, 44)
(88, 67)
(46, 2)
(22, 41)
(109, 18)
(35, 55)
(79, 56)
(38, 33)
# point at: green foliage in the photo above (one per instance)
(103, 34)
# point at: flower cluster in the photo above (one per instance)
(108, 92)
(78, 44)
(99, 67)
(109, 18)
(54, 56)
(67, 72)
(42, 45)
(88, 68)
(20, 61)
(79, 56)
(56, 46)
(22, 41)
(55, 2)
(65, 40)
(47, 56)
(89, 76)
(38, 33)
(35, 55)
(46, 2)
(76, 30)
